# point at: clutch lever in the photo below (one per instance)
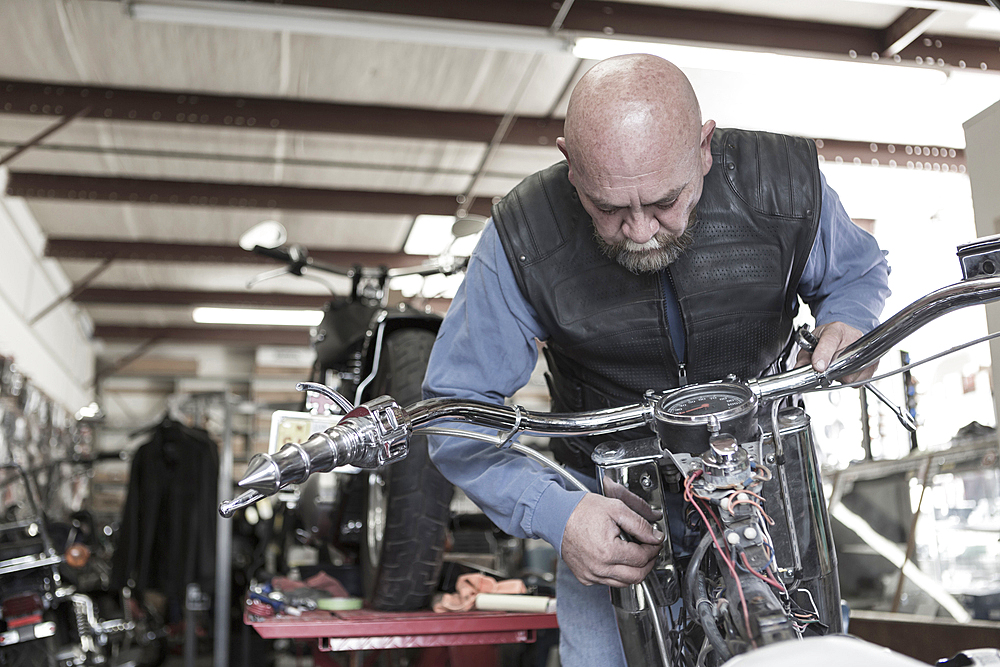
(905, 418)
(267, 275)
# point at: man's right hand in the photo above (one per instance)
(593, 549)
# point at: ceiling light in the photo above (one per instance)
(344, 23)
(429, 235)
(835, 72)
(294, 318)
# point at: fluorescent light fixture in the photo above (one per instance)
(292, 318)
(430, 235)
(344, 23)
(754, 62)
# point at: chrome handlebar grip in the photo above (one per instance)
(370, 436)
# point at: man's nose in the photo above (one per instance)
(640, 226)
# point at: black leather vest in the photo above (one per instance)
(736, 285)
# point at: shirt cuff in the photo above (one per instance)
(551, 512)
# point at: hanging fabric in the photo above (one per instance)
(167, 536)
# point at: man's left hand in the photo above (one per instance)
(833, 338)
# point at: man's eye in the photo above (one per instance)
(665, 204)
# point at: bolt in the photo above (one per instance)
(646, 481)
(733, 538)
(750, 533)
(769, 459)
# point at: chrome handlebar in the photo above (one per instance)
(870, 347)
(377, 432)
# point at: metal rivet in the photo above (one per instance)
(523, 258)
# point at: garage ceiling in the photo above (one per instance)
(181, 135)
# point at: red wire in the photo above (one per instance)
(747, 501)
(689, 495)
(760, 576)
(755, 495)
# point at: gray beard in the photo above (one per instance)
(651, 260)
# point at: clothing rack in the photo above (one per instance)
(199, 404)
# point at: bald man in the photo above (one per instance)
(662, 251)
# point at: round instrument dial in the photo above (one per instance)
(708, 403)
(682, 415)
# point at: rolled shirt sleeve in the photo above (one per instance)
(846, 278)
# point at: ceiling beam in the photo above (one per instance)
(247, 298)
(250, 336)
(910, 156)
(42, 185)
(661, 23)
(39, 185)
(168, 297)
(621, 19)
(151, 251)
(41, 98)
(428, 124)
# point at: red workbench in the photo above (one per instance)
(461, 638)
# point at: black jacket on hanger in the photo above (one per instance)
(167, 535)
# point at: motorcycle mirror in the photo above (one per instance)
(267, 234)
(467, 226)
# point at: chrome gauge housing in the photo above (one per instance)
(686, 418)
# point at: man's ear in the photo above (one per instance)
(561, 145)
(707, 130)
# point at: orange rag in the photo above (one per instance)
(471, 585)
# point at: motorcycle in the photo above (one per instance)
(763, 570)
(393, 520)
(56, 603)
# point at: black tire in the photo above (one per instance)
(408, 503)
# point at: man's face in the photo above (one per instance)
(642, 211)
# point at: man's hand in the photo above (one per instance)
(594, 550)
(833, 338)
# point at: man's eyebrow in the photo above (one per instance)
(665, 199)
(669, 197)
(604, 204)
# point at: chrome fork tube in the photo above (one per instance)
(631, 468)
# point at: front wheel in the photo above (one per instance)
(408, 502)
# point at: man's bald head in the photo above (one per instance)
(638, 154)
(626, 111)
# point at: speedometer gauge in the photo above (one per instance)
(685, 418)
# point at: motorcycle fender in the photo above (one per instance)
(383, 324)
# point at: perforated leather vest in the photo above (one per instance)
(736, 285)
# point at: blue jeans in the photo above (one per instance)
(588, 634)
